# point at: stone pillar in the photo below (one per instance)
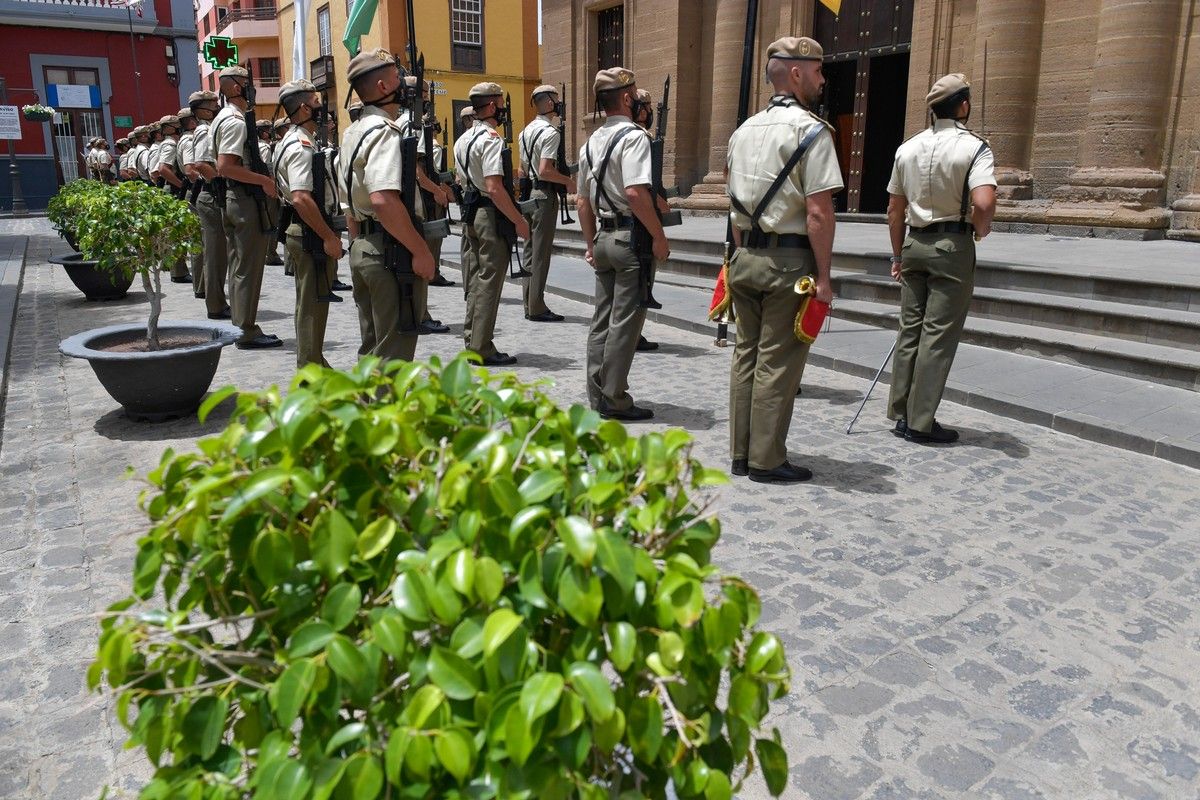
(1185, 212)
(1012, 33)
(1118, 180)
(729, 33)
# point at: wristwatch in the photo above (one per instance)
(895, 259)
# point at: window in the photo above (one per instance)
(207, 28)
(349, 8)
(466, 35)
(323, 34)
(610, 42)
(268, 72)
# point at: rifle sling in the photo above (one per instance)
(599, 179)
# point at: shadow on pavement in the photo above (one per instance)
(115, 425)
(691, 419)
(679, 350)
(1004, 443)
(544, 362)
(836, 397)
(847, 476)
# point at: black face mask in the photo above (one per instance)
(397, 96)
(640, 106)
(501, 116)
(560, 108)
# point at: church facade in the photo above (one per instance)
(1092, 106)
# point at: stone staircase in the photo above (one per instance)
(1121, 324)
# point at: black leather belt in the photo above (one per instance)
(761, 238)
(619, 222)
(945, 227)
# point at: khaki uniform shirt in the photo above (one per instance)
(183, 153)
(228, 133)
(152, 159)
(141, 156)
(485, 147)
(101, 160)
(373, 167)
(202, 150)
(630, 166)
(539, 140)
(167, 153)
(293, 168)
(931, 169)
(266, 153)
(761, 148)
(123, 162)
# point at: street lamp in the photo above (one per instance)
(14, 172)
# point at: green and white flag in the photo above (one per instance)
(359, 23)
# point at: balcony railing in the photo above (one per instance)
(118, 4)
(259, 13)
(269, 81)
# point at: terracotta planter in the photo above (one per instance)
(95, 283)
(160, 385)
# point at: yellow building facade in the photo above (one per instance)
(463, 41)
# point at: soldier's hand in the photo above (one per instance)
(661, 249)
(523, 229)
(571, 187)
(269, 188)
(590, 256)
(423, 265)
(897, 268)
(333, 247)
(446, 197)
(663, 206)
(824, 291)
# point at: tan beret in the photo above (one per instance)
(295, 87)
(468, 112)
(281, 123)
(946, 87)
(154, 127)
(122, 141)
(545, 88)
(613, 78)
(355, 105)
(796, 48)
(169, 119)
(101, 141)
(485, 89)
(184, 113)
(262, 123)
(235, 71)
(200, 97)
(643, 95)
(367, 62)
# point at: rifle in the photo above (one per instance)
(265, 223)
(504, 225)
(310, 242)
(561, 159)
(444, 174)
(640, 237)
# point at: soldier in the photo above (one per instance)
(782, 164)
(141, 153)
(248, 223)
(479, 155)
(369, 186)
(209, 207)
(102, 162)
(439, 210)
(294, 172)
(184, 157)
(89, 157)
(265, 129)
(614, 186)
(466, 121)
(538, 145)
(354, 110)
(122, 147)
(168, 151)
(940, 177)
(152, 159)
(644, 116)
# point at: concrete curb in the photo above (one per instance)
(12, 277)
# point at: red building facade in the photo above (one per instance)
(80, 58)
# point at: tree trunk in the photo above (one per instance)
(155, 291)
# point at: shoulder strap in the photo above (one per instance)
(350, 167)
(528, 154)
(966, 192)
(599, 178)
(466, 167)
(777, 184)
(275, 162)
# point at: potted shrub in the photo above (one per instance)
(155, 372)
(63, 211)
(36, 112)
(426, 582)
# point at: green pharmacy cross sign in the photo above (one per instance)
(220, 52)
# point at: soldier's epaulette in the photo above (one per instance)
(828, 125)
(493, 132)
(967, 130)
(304, 141)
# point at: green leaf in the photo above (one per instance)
(670, 648)
(580, 538)
(461, 571)
(585, 678)
(580, 594)
(540, 694)
(409, 597)
(362, 780)
(422, 706)
(344, 735)
(204, 725)
(346, 660)
(375, 538)
(333, 542)
(456, 377)
(609, 732)
(455, 750)
(745, 700)
(290, 779)
(764, 648)
(309, 638)
(523, 519)
(391, 635)
(341, 604)
(622, 643)
(213, 400)
(499, 626)
(773, 761)
(257, 485)
(520, 736)
(616, 557)
(272, 558)
(529, 581)
(489, 579)
(541, 485)
(453, 673)
(718, 787)
(645, 725)
(290, 693)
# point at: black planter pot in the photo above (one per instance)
(96, 284)
(157, 386)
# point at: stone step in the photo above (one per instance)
(1122, 320)
(1171, 366)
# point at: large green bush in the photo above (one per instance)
(68, 203)
(412, 581)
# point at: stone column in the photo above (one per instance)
(1118, 180)
(1012, 33)
(729, 32)
(1185, 216)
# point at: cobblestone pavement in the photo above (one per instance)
(1014, 617)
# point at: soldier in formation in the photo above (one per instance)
(210, 206)
(165, 174)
